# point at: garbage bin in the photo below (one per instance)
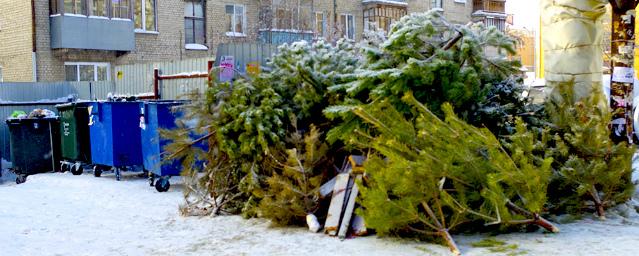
(115, 136)
(158, 115)
(34, 145)
(74, 136)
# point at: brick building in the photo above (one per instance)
(55, 40)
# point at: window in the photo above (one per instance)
(284, 18)
(235, 20)
(436, 4)
(120, 9)
(53, 7)
(102, 8)
(86, 71)
(348, 26)
(500, 23)
(194, 29)
(382, 16)
(320, 24)
(99, 8)
(74, 7)
(145, 16)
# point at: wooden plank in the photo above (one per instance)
(350, 206)
(337, 203)
(327, 188)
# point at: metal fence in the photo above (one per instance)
(138, 78)
(245, 53)
(54, 91)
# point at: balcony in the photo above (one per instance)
(492, 6)
(91, 33)
(386, 2)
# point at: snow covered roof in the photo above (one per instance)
(485, 13)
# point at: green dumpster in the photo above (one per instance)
(74, 136)
(34, 145)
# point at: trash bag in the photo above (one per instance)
(18, 114)
(41, 113)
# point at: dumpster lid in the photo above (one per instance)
(71, 104)
(13, 120)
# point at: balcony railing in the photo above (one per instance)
(498, 6)
(403, 3)
(89, 33)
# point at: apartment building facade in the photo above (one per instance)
(81, 40)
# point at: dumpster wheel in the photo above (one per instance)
(21, 179)
(64, 167)
(76, 169)
(162, 185)
(97, 171)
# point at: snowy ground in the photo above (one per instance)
(62, 214)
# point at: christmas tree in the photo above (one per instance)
(429, 176)
(592, 172)
(250, 119)
(293, 189)
(439, 62)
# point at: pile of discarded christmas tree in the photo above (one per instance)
(420, 133)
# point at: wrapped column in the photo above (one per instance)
(572, 38)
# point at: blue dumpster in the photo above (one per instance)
(115, 136)
(161, 115)
(158, 115)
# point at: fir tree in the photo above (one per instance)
(592, 172)
(249, 120)
(214, 192)
(293, 189)
(429, 176)
(438, 61)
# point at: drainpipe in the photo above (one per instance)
(33, 42)
(334, 19)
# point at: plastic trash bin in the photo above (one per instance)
(158, 115)
(34, 145)
(115, 136)
(74, 136)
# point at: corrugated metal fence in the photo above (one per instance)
(138, 78)
(42, 92)
(245, 53)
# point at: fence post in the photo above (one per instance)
(156, 85)
(209, 68)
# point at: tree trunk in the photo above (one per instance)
(534, 218)
(449, 240)
(598, 203)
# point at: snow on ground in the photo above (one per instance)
(62, 214)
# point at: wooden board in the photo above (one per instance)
(327, 188)
(337, 204)
(350, 206)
